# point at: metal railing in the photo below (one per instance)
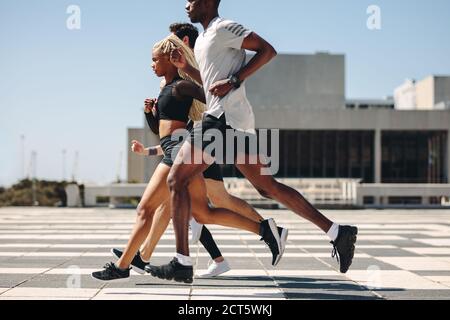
(333, 191)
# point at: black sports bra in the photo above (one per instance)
(171, 107)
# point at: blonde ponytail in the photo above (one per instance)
(166, 46)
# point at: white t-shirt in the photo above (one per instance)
(219, 56)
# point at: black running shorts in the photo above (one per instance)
(203, 136)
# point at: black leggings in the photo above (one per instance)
(207, 241)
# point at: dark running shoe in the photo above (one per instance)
(137, 264)
(344, 247)
(110, 273)
(270, 235)
(172, 271)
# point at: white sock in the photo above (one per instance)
(333, 232)
(184, 260)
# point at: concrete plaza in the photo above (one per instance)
(49, 253)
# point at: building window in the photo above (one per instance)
(404, 200)
(323, 154)
(368, 200)
(413, 156)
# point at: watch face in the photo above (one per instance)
(235, 81)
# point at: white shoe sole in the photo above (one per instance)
(138, 270)
(112, 281)
(274, 229)
(283, 239)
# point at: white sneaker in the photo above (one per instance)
(196, 230)
(215, 269)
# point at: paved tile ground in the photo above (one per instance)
(49, 253)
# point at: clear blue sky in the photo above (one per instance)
(80, 90)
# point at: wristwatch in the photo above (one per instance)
(234, 80)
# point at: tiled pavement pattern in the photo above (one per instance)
(49, 253)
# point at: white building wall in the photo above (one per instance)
(425, 93)
(405, 96)
(299, 81)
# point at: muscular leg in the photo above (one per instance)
(183, 175)
(180, 201)
(218, 195)
(220, 198)
(270, 188)
(219, 216)
(160, 222)
(154, 195)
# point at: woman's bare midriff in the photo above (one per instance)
(167, 127)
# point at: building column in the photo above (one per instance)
(377, 156)
(447, 163)
(113, 202)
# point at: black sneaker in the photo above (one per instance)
(344, 247)
(110, 273)
(137, 264)
(174, 270)
(269, 233)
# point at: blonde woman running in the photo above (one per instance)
(178, 101)
(217, 193)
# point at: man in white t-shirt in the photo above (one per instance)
(220, 53)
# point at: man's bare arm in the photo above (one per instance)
(264, 53)
(179, 60)
(193, 73)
